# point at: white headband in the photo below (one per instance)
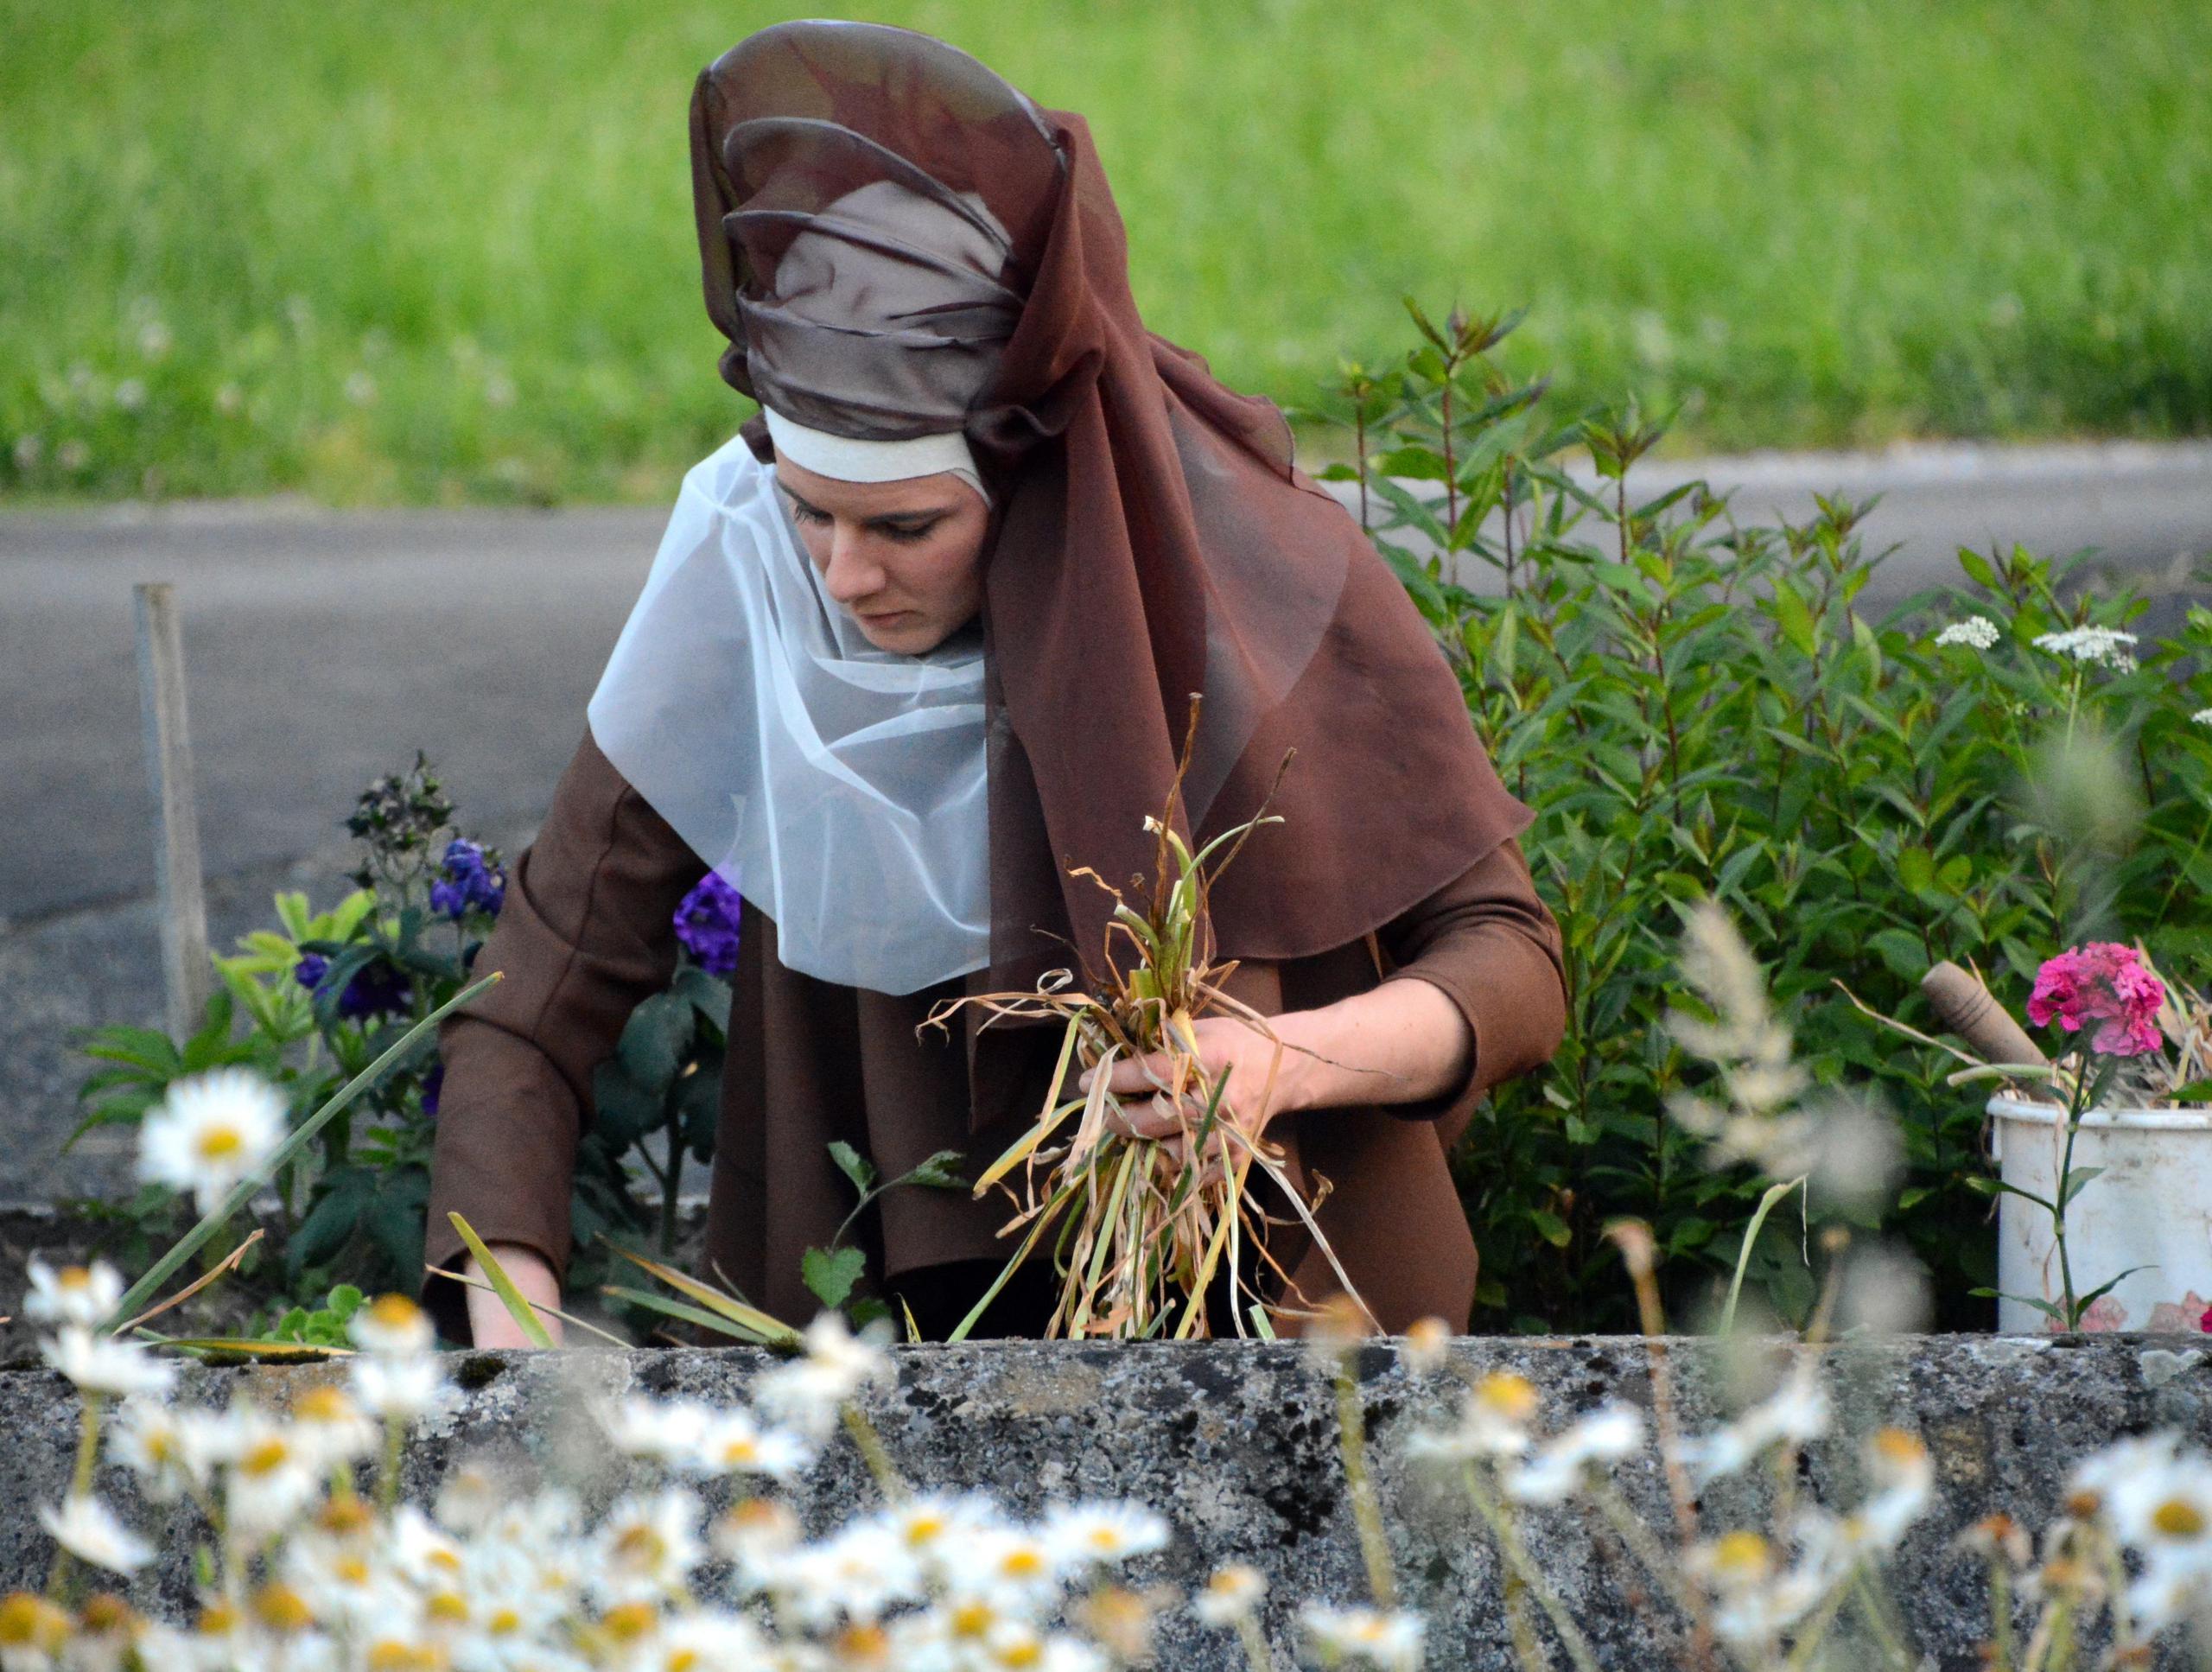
(844, 458)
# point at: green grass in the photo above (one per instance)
(414, 252)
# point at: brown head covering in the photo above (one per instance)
(1151, 537)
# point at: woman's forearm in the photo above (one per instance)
(1402, 1042)
(489, 1322)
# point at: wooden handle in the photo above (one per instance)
(1970, 1011)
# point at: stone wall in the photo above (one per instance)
(1236, 1444)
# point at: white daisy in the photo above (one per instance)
(1798, 1412)
(393, 1327)
(2167, 1512)
(1902, 1473)
(1232, 1594)
(753, 1534)
(471, 1500)
(344, 1588)
(1080, 1534)
(733, 1442)
(75, 1295)
(400, 1389)
(2135, 1463)
(211, 1132)
(150, 1439)
(1364, 1637)
(809, 1391)
(88, 1530)
(273, 1476)
(104, 1365)
(1424, 1345)
(1977, 632)
(33, 1633)
(858, 1575)
(1493, 1422)
(331, 1428)
(1012, 1644)
(708, 1638)
(646, 1547)
(662, 1430)
(1609, 1434)
(1012, 1568)
(937, 1528)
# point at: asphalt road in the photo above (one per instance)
(323, 648)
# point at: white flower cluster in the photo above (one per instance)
(1752, 1596)
(2112, 647)
(2155, 1500)
(306, 1572)
(1976, 632)
(2201, 717)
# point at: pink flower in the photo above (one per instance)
(2105, 982)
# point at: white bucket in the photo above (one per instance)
(2151, 1207)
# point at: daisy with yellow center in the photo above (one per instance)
(74, 1295)
(393, 1327)
(211, 1133)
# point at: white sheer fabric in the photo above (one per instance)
(839, 787)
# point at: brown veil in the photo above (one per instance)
(1151, 536)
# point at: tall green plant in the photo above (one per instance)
(1698, 707)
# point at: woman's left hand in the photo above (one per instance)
(1259, 1088)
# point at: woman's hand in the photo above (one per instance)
(1262, 1077)
(1405, 1042)
(490, 1324)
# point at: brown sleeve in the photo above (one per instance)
(1492, 945)
(586, 932)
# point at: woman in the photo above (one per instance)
(922, 639)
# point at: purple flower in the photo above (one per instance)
(379, 988)
(434, 1083)
(472, 880)
(707, 922)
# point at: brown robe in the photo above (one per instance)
(588, 931)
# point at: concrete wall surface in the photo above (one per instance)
(1237, 1443)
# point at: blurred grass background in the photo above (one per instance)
(412, 251)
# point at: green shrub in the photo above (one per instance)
(1698, 708)
(323, 995)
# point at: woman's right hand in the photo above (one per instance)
(490, 1324)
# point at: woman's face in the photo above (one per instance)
(904, 559)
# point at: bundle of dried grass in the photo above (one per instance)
(1143, 1229)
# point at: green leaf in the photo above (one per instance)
(654, 1038)
(624, 1110)
(855, 1167)
(1915, 868)
(1902, 951)
(526, 1316)
(2074, 1182)
(1795, 618)
(134, 1300)
(342, 1197)
(939, 1172)
(1549, 1226)
(831, 1272)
